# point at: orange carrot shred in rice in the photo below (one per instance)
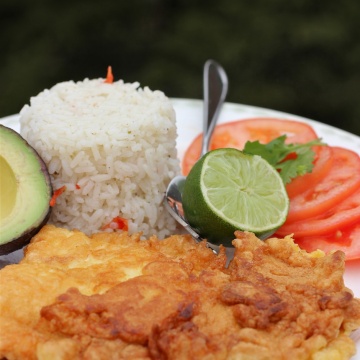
(117, 223)
(56, 194)
(77, 186)
(109, 76)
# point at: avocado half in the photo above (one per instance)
(25, 191)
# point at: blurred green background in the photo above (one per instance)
(300, 56)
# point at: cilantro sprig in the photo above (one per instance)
(277, 153)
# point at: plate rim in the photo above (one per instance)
(227, 107)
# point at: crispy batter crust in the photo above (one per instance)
(113, 296)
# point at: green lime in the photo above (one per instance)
(228, 190)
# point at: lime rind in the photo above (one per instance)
(244, 190)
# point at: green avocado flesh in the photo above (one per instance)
(25, 191)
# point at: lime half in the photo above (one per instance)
(228, 190)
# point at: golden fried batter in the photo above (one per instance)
(114, 296)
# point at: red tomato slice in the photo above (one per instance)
(322, 165)
(346, 240)
(345, 214)
(342, 180)
(235, 134)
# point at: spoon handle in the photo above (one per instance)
(215, 90)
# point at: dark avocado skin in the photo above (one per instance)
(22, 240)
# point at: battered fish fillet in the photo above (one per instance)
(114, 296)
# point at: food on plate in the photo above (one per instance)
(25, 191)
(235, 134)
(323, 162)
(345, 239)
(290, 160)
(79, 297)
(229, 190)
(325, 214)
(340, 216)
(342, 180)
(112, 147)
(335, 229)
(324, 204)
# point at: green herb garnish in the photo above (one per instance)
(291, 160)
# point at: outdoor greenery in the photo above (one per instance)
(299, 56)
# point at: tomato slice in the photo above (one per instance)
(346, 240)
(322, 164)
(236, 133)
(342, 180)
(345, 214)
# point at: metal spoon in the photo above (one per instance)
(215, 86)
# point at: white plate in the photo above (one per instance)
(189, 121)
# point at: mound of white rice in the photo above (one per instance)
(114, 148)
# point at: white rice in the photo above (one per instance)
(114, 148)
